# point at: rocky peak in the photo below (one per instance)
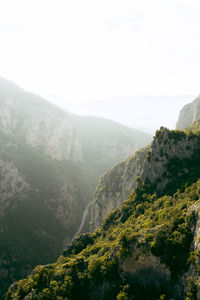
(172, 156)
(188, 114)
(163, 165)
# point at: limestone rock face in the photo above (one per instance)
(114, 187)
(44, 128)
(12, 184)
(171, 157)
(189, 114)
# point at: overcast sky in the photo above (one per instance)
(84, 50)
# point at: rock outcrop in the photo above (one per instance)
(155, 165)
(173, 155)
(115, 186)
(12, 185)
(189, 114)
(45, 128)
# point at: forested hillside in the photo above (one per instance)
(146, 249)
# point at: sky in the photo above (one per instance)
(95, 50)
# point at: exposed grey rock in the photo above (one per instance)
(47, 129)
(189, 114)
(115, 185)
(168, 151)
(12, 185)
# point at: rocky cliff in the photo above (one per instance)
(155, 166)
(146, 249)
(12, 185)
(115, 186)
(173, 156)
(36, 121)
(40, 206)
(189, 114)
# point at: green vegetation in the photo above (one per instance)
(141, 251)
(92, 267)
(177, 154)
(31, 233)
(195, 128)
(34, 136)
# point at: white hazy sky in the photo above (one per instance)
(83, 50)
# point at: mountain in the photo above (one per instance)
(146, 249)
(50, 162)
(188, 114)
(105, 142)
(115, 186)
(62, 135)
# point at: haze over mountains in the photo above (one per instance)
(99, 150)
(146, 113)
(50, 162)
(147, 248)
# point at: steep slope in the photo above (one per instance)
(62, 135)
(41, 204)
(49, 167)
(155, 167)
(174, 156)
(146, 249)
(189, 113)
(105, 143)
(115, 186)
